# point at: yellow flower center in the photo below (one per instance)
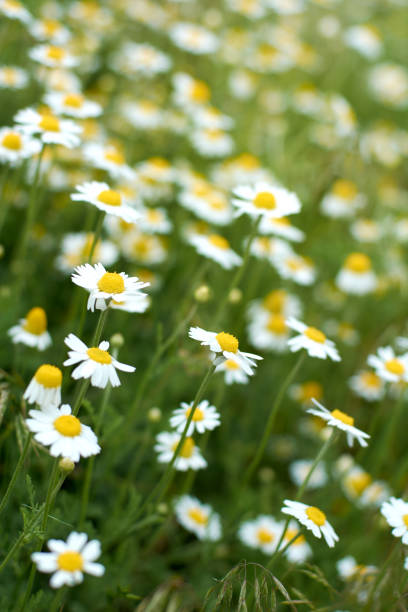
(74, 100)
(12, 140)
(55, 53)
(213, 133)
(97, 354)
(359, 482)
(315, 334)
(201, 189)
(227, 342)
(275, 301)
(141, 246)
(197, 416)
(200, 92)
(405, 519)
(219, 241)
(48, 376)
(36, 321)
(50, 26)
(230, 364)
(247, 161)
(187, 449)
(265, 199)
(309, 390)
(159, 163)
(345, 189)
(154, 216)
(343, 417)
(290, 534)
(9, 75)
(115, 157)
(371, 380)
(395, 366)
(110, 197)
(111, 282)
(49, 123)
(68, 425)
(70, 561)
(282, 221)
(264, 536)
(198, 516)
(358, 263)
(294, 263)
(316, 516)
(216, 202)
(276, 324)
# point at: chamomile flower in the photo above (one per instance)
(147, 249)
(281, 227)
(144, 114)
(343, 200)
(190, 456)
(44, 388)
(298, 471)
(142, 58)
(313, 519)
(265, 199)
(52, 56)
(189, 92)
(49, 128)
(51, 30)
(389, 84)
(299, 550)
(12, 77)
(217, 248)
(341, 420)
(154, 221)
(305, 392)
(109, 200)
(198, 518)
(207, 202)
(388, 366)
(104, 286)
(16, 146)
(72, 104)
(368, 385)
(269, 333)
(205, 418)
(32, 330)
(356, 276)
(365, 39)
(396, 513)
(63, 433)
(15, 10)
(262, 533)
(69, 560)
(233, 373)
(75, 250)
(193, 38)
(278, 301)
(212, 142)
(110, 159)
(94, 363)
(313, 340)
(227, 345)
(294, 267)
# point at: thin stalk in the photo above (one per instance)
(388, 434)
(381, 575)
(272, 415)
(96, 234)
(16, 472)
(238, 274)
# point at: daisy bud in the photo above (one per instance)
(66, 465)
(154, 415)
(235, 296)
(117, 341)
(162, 508)
(202, 293)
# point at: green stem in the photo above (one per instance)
(388, 434)
(96, 234)
(238, 275)
(5, 202)
(16, 472)
(268, 429)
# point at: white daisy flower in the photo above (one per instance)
(269, 333)
(343, 200)
(388, 366)
(32, 330)
(211, 118)
(15, 10)
(299, 469)
(72, 104)
(365, 39)
(305, 392)
(265, 199)
(144, 114)
(299, 550)
(313, 519)
(233, 373)
(146, 249)
(281, 227)
(193, 38)
(227, 345)
(104, 286)
(396, 513)
(52, 56)
(262, 533)
(311, 339)
(69, 560)
(278, 301)
(212, 142)
(217, 248)
(190, 93)
(155, 221)
(109, 200)
(354, 480)
(205, 418)
(154, 178)
(356, 276)
(367, 385)
(16, 146)
(76, 247)
(50, 30)
(190, 456)
(206, 202)
(63, 433)
(142, 58)
(94, 363)
(110, 159)
(296, 268)
(389, 84)
(50, 129)
(349, 568)
(366, 230)
(44, 388)
(341, 420)
(12, 77)
(139, 304)
(198, 518)
(271, 249)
